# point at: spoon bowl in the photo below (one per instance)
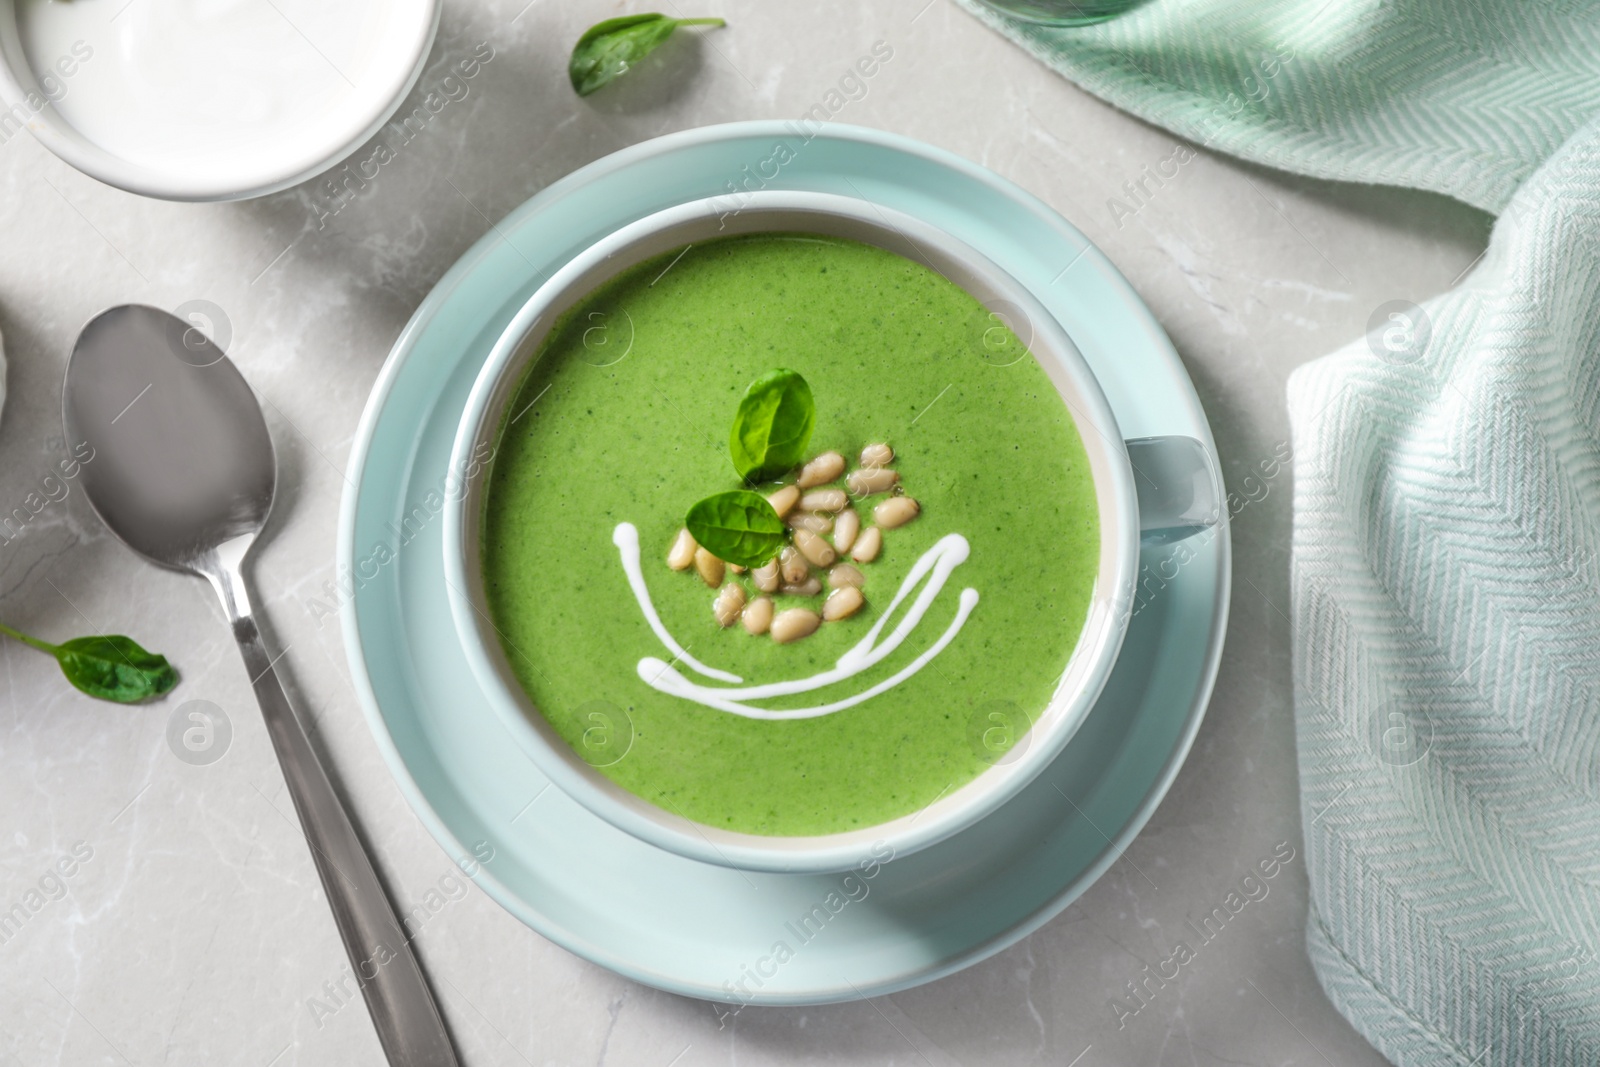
(183, 462)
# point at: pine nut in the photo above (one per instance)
(869, 480)
(810, 587)
(878, 455)
(842, 575)
(814, 548)
(709, 566)
(765, 577)
(792, 565)
(842, 603)
(824, 500)
(736, 568)
(728, 605)
(820, 471)
(810, 520)
(793, 624)
(845, 528)
(758, 616)
(868, 545)
(784, 499)
(896, 511)
(681, 557)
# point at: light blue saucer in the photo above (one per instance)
(708, 931)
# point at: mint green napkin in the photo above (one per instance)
(1446, 588)
(1446, 558)
(1464, 97)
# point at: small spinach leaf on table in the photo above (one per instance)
(607, 50)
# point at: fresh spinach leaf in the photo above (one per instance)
(773, 425)
(107, 666)
(609, 49)
(738, 526)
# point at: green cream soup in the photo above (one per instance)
(624, 418)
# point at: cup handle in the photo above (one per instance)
(1178, 488)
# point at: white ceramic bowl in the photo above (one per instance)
(43, 81)
(774, 211)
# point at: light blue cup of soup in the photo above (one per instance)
(618, 566)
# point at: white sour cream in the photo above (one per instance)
(219, 88)
(935, 565)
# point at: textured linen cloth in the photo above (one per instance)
(1446, 558)
(1446, 587)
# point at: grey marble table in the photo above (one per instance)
(192, 929)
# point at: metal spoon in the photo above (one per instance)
(184, 474)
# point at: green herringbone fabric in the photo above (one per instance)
(1446, 582)
(1464, 97)
(1446, 564)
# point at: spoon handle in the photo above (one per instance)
(397, 994)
